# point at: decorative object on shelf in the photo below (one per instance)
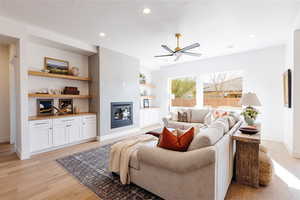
(45, 107)
(287, 88)
(66, 105)
(250, 130)
(43, 91)
(76, 110)
(146, 103)
(250, 113)
(56, 66)
(71, 90)
(74, 71)
(45, 70)
(142, 78)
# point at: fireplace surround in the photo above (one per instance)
(121, 114)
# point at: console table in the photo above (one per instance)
(247, 160)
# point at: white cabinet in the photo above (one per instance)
(60, 136)
(58, 132)
(89, 127)
(40, 135)
(74, 130)
(149, 116)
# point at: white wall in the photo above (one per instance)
(118, 83)
(36, 62)
(262, 74)
(4, 94)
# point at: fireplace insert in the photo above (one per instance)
(121, 114)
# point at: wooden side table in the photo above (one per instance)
(247, 160)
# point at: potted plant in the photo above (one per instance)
(250, 115)
(142, 78)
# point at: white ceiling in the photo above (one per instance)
(215, 24)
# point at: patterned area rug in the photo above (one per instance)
(91, 169)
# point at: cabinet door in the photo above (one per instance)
(73, 130)
(40, 135)
(89, 127)
(60, 135)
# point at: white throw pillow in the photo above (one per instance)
(174, 116)
(209, 118)
(198, 115)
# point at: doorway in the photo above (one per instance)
(7, 95)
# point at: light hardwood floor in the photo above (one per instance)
(42, 178)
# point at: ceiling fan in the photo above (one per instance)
(178, 52)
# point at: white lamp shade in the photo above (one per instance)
(249, 99)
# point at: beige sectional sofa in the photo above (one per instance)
(204, 172)
(196, 118)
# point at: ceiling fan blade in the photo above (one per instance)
(164, 55)
(192, 54)
(189, 47)
(177, 58)
(167, 48)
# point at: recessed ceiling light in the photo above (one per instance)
(252, 36)
(102, 34)
(146, 11)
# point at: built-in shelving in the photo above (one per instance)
(149, 85)
(148, 97)
(59, 96)
(51, 75)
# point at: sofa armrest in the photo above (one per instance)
(176, 161)
(166, 120)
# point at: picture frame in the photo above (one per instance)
(287, 88)
(45, 107)
(146, 103)
(66, 105)
(56, 66)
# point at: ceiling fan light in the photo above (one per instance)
(146, 11)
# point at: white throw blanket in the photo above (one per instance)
(120, 155)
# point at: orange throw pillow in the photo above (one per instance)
(180, 142)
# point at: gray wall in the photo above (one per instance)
(118, 83)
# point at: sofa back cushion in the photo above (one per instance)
(198, 115)
(206, 137)
(221, 123)
(179, 142)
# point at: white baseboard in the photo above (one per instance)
(21, 155)
(291, 152)
(63, 146)
(121, 134)
(4, 139)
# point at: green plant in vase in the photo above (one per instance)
(250, 115)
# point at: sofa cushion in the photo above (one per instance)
(184, 125)
(231, 121)
(198, 115)
(174, 116)
(134, 161)
(206, 137)
(221, 122)
(235, 115)
(208, 119)
(180, 142)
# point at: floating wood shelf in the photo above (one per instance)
(148, 97)
(59, 96)
(149, 85)
(51, 75)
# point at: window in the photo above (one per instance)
(183, 92)
(223, 89)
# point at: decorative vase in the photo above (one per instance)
(74, 71)
(250, 121)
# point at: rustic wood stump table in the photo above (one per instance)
(247, 160)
